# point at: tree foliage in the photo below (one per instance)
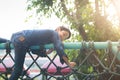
(87, 18)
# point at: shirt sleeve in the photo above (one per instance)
(59, 47)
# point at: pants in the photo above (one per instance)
(2, 40)
(20, 48)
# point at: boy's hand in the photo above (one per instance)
(72, 64)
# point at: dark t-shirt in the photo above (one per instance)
(41, 37)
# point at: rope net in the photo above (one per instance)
(93, 64)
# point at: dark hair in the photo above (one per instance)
(65, 29)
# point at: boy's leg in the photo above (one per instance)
(2, 40)
(19, 61)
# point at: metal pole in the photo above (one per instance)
(74, 45)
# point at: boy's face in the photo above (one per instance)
(63, 34)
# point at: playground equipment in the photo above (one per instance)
(98, 67)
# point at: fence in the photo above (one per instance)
(100, 61)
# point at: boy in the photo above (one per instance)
(23, 40)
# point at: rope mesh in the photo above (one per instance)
(95, 64)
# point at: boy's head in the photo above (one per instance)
(63, 32)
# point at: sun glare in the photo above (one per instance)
(112, 13)
(111, 10)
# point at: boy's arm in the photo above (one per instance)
(70, 64)
(49, 51)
